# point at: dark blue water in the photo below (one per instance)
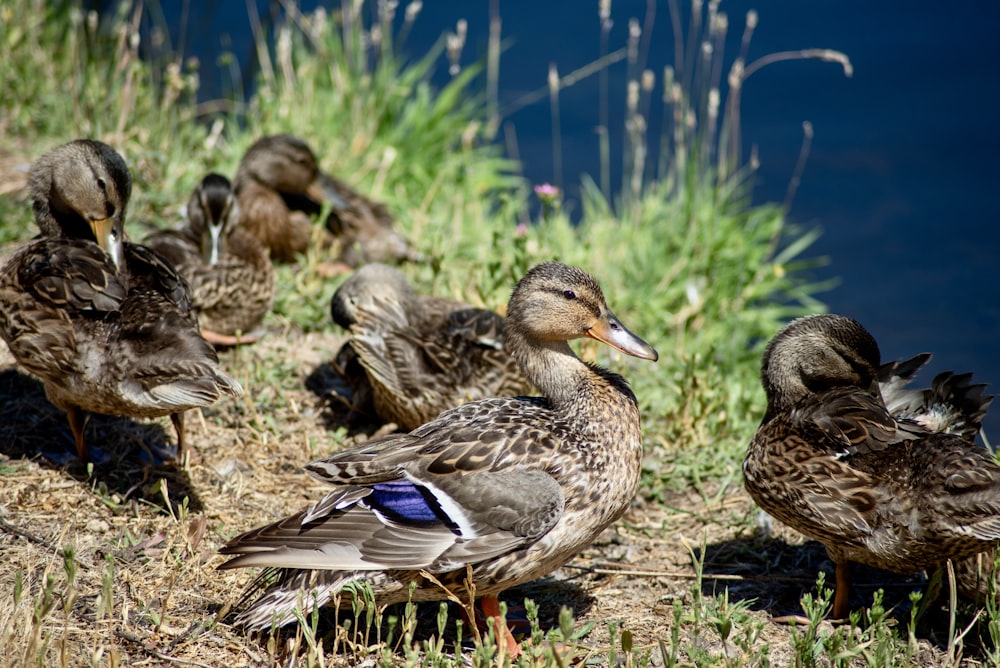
(904, 165)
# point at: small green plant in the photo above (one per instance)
(807, 644)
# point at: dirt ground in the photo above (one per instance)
(146, 589)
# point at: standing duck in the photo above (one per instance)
(420, 354)
(230, 273)
(510, 488)
(280, 187)
(832, 462)
(106, 325)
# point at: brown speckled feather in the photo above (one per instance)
(422, 355)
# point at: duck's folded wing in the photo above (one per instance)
(967, 475)
(45, 290)
(855, 421)
(150, 270)
(436, 524)
(478, 326)
(70, 274)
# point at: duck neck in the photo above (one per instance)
(551, 366)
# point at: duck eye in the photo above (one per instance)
(569, 294)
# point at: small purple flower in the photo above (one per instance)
(521, 230)
(547, 193)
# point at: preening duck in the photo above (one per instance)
(901, 490)
(105, 324)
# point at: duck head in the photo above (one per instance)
(555, 303)
(212, 214)
(816, 354)
(80, 190)
(284, 163)
(372, 287)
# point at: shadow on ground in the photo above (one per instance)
(343, 386)
(772, 575)
(128, 455)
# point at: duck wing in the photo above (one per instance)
(149, 270)
(44, 289)
(435, 500)
(854, 421)
(894, 378)
(953, 404)
(480, 326)
(68, 274)
(167, 361)
(419, 374)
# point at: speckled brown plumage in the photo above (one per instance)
(953, 404)
(420, 354)
(831, 461)
(281, 188)
(105, 324)
(229, 271)
(363, 228)
(513, 487)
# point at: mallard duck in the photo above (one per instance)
(510, 487)
(280, 186)
(106, 325)
(421, 354)
(230, 273)
(831, 461)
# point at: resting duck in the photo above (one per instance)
(106, 325)
(230, 273)
(420, 354)
(830, 460)
(511, 487)
(280, 187)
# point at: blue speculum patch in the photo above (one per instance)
(405, 502)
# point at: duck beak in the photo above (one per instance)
(109, 239)
(316, 192)
(211, 244)
(323, 189)
(611, 331)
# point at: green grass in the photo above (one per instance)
(685, 259)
